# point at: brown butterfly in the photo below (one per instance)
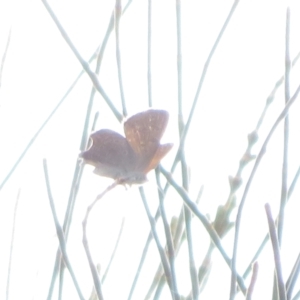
(129, 159)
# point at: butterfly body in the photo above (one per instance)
(129, 159)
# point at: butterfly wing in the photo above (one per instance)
(158, 156)
(110, 154)
(143, 132)
(129, 159)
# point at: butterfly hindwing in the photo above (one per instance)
(161, 151)
(110, 154)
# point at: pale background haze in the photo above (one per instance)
(40, 67)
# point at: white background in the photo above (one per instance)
(40, 67)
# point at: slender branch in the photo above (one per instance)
(286, 132)
(202, 78)
(35, 136)
(192, 263)
(118, 13)
(113, 252)
(252, 282)
(209, 228)
(203, 75)
(276, 252)
(149, 57)
(78, 168)
(84, 64)
(243, 200)
(4, 56)
(184, 167)
(284, 171)
(12, 245)
(290, 284)
(179, 235)
(161, 250)
(266, 238)
(179, 65)
(93, 268)
(169, 239)
(297, 296)
(60, 233)
(138, 271)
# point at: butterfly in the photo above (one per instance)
(128, 159)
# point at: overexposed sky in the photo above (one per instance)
(39, 69)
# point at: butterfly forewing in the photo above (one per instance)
(144, 130)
